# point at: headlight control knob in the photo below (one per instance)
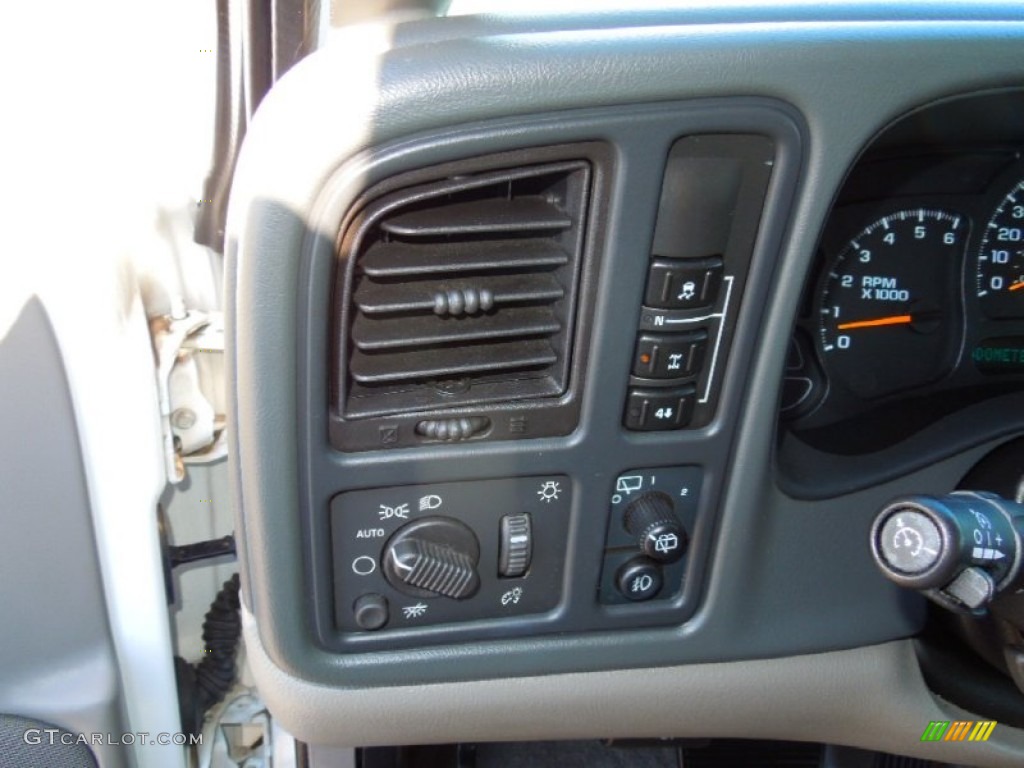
(431, 557)
(659, 534)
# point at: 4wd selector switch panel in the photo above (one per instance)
(409, 557)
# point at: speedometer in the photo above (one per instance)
(889, 306)
(1001, 258)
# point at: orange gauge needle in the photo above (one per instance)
(1017, 286)
(894, 320)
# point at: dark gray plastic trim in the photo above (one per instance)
(599, 450)
(788, 577)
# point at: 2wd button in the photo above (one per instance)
(639, 579)
(658, 409)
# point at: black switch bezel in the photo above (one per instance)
(750, 159)
(361, 531)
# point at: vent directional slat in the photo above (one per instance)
(445, 363)
(479, 217)
(457, 297)
(402, 332)
(392, 260)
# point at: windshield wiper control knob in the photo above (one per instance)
(960, 550)
(659, 533)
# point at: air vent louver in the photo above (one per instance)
(463, 291)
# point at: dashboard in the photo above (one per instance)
(572, 380)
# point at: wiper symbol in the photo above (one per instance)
(629, 483)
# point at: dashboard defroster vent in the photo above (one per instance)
(462, 292)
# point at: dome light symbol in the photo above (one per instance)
(549, 491)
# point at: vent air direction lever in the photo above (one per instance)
(960, 550)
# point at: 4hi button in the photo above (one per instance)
(655, 409)
(669, 355)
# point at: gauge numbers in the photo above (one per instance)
(889, 305)
(1001, 258)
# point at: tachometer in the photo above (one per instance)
(1001, 258)
(889, 307)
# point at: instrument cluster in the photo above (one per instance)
(916, 306)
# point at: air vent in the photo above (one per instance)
(462, 292)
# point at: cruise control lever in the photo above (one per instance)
(960, 550)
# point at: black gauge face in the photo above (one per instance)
(1001, 258)
(889, 307)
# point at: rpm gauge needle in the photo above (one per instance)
(877, 322)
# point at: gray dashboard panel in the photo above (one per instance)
(787, 576)
(871, 697)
